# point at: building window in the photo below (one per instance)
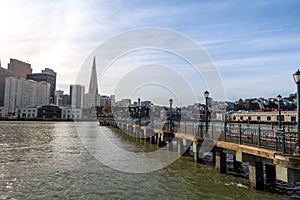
(268, 118)
(293, 118)
(258, 118)
(241, 118)
(281, 116)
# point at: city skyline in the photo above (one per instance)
(254, 45)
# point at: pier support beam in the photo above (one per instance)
(236, 164)
(256, 175)
(270, 173)
(170, 145)
(196, 152)
(180, 147)
(158, 140)
(221, 163)
(214, 158)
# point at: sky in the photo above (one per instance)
(254, 45)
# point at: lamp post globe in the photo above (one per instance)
(296, 77)
(206, 94)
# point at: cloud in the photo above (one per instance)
(245, 40)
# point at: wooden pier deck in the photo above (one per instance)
(279, 164)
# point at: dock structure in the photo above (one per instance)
(268, 152)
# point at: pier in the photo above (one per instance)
(268, 152)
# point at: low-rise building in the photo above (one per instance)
(263, 117)
(49, 112)
(2, 113)
(71, 113)
(27, 113)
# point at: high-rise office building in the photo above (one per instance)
(62, 99)
(19, 68)
(93, 89)
(49, 76)
(92, 97)
(20, 93)
(4, 73)
(77, 96)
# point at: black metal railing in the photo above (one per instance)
(258, 136)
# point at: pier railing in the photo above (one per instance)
(258, 136)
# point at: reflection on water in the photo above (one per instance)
(46, 160)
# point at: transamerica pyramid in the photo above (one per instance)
(93, 89)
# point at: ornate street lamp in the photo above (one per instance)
(279, 98)
(206, 94)
(296, 77)
(171, 102)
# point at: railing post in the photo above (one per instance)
(240, 128)
(259, 136)
(212, 131)
(201, 130)
(225, 130)
(283, 142)
(194, 129)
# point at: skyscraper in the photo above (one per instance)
(92, 97)
(19, 68)
(4, 73)
(21, 93)
(16, 68)
(77, 96)
(93, 89)
(49, 76)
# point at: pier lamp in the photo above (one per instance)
(171, 102)
(206, 94)
(279, 98)
(296, 77)
(139, 110)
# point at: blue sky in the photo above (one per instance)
(254, 44)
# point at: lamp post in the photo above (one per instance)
(139, 110)
(296, 77)
(200, 120)
(279, 98)
(171, 102)
(206, 94)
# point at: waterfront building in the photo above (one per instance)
(4, 73)
(49, 112)
(27, 113)
(2, 113)
(49, 76)
(21, 93)
(71, 113)
(288, 117)
(19, 68)
(77, 96)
